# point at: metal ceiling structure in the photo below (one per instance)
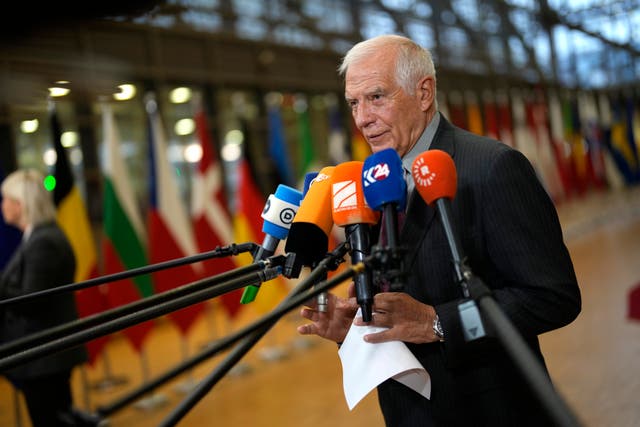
(568, 43)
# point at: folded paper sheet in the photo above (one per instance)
(365, 365)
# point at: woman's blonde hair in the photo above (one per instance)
(27, 187)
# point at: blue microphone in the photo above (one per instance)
(385, 190)
(308, 178)
(278, 214)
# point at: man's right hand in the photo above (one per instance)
(335, 322)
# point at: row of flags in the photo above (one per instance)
(576, 142)
(169, 230)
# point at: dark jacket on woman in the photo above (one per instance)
(43, 261)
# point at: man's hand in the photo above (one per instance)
(335, 323)
(408, 320)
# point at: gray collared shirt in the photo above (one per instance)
(423, 144)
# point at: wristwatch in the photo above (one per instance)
(437, 328)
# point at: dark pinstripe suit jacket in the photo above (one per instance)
(510, 233)
(44, 261)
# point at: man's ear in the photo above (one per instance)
(427, 92)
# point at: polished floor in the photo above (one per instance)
(594, 362)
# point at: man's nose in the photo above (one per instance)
(362, 116)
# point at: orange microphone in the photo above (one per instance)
(349, 209)
(434, 174)
(309, 233)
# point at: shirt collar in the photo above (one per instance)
(423, 144)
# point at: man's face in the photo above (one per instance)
(387, 116)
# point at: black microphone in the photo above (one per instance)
(435, 177)
(350, 210)
(278, 214)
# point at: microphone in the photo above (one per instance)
(436, 179)
(308, 179)
(308, 237)
(278, 214)
(350, 210)
(386, 190)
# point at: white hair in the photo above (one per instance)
(412, 64)
(27, 187)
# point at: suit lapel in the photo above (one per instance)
(416, 224)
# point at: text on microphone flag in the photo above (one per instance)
(375, 173)
(344, 195)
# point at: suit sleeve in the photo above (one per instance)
(530, 272)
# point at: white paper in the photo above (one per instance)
(366, 365)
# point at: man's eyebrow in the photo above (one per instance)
(377, 90)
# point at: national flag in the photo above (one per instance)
(561, 148)
(211, 219)
(592, 133)
(573, 135)
(123, 243)
(307, 151)
(73, 219)
(491, 127)
(169, 225)
(247, 225)
(621, 142)
(537, 120)
(9, 235)
(474, 115)
(505, 120)
(613, 174)
(443, 106)
(457, 114)
(523, 138)
(277, 142)
(338, 145)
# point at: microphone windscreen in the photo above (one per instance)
(434, 174)
(383, 180)
(310, 176)
(308, 236)
(348, 203)
(280, 210)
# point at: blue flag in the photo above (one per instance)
(278, 147)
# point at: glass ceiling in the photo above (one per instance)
(575, 43)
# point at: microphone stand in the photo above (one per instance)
(143, 315)
(252, 334)
(84, 323)
(529, 366)
(219, 252)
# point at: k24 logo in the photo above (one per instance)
(375, 173)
